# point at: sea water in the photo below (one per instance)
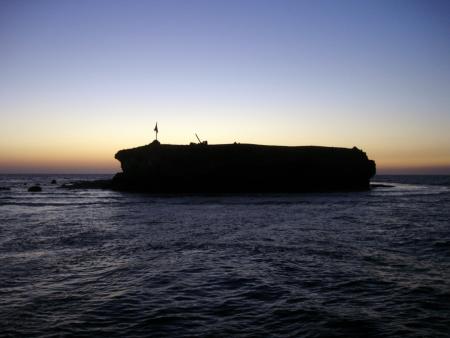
(105, 263)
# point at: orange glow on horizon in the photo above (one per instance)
(100, 159)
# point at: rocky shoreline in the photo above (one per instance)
(242, 168)
(237, 168)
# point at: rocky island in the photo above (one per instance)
(241, 168)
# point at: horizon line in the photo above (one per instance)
(384, 173)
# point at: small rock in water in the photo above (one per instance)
(53, 181)
(35, 188)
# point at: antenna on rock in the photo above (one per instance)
(200, 141)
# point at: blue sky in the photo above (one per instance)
(94, 76)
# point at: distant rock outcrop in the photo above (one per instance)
(241, 168)
(35, 188)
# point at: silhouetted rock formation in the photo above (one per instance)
(237, 168)
(53, 182)
(35, 188)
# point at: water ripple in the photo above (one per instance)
(99, 263)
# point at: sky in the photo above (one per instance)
(80, 80)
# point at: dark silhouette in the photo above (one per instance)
(156, 131)
(53, 182)
(241, 168)
(35, 188)
(200, 141)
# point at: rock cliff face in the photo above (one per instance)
(241, 168)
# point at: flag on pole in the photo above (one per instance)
(156, 131)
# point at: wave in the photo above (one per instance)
(402, 189)
(439, 180)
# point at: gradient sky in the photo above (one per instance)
(80, 80)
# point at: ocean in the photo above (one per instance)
(104, 263)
